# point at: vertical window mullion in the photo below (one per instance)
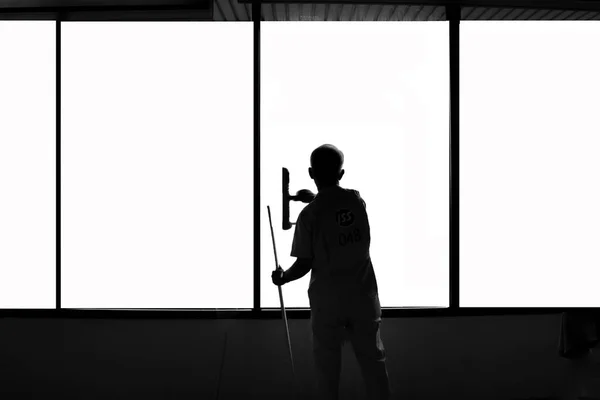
(453, 16)
(58, 171)
(256, 12)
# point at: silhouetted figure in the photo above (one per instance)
(580, 333)
(332, 238)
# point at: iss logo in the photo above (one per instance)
(345, 217)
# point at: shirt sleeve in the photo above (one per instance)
(302, 243)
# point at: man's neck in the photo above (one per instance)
(328, 187)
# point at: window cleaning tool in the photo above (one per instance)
(287, 330)
(304, 195)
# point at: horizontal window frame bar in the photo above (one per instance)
(199, 11)
(270, 313)
(195, 5)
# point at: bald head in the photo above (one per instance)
(326, 162)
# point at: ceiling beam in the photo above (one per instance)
(20, 6)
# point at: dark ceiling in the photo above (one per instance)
(234, 10)
(325, 10)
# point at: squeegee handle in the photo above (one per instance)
(283, 315)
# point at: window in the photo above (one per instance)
(380, 93)
(28, 164)
(529, 148)
(157, 179)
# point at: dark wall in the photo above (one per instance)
(499, 357)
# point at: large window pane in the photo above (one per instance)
(529, 144)
(157, 184)
(379, 92)
(27, 164)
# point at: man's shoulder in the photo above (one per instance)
(355, 192)
(351, 191)
(308, 211)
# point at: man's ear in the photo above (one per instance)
(310, 173)
(341, 174)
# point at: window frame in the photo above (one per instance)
(182, 12)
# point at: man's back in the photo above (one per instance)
(334, 230)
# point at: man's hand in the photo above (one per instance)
(277, 276)
(305, 195)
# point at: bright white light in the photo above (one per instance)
(529, 144)
(379, 92)
(157, 184)
(27, 164)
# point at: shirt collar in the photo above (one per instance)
(328, 189)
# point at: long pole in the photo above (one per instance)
(278, 268)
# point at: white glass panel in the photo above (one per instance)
(380, 93)
(27, 164)
(529, 145)
(157, 185)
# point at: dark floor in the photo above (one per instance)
(498, 357)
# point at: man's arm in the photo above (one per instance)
(300, 268)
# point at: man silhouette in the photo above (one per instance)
(332, 238)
